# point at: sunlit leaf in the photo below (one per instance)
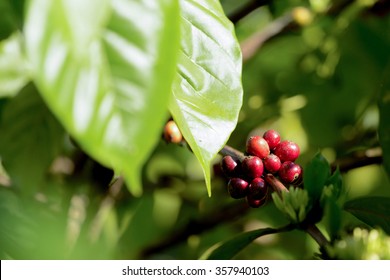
(106, 68)
(207, 91)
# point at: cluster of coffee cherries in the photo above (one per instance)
(264, 154)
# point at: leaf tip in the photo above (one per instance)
(133, 183)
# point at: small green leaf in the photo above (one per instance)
(207, 91)
(105, 68)
(316, 175)
(30, 139)
(292, 203)
(374, 211)
(13, 69)
(228, 249)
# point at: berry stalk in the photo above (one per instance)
(230, 151)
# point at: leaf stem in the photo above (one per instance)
(275, 183)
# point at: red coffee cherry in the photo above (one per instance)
(255, 203)
(287, 151)
(257, 189)
(172, 133)
(272, 163)
(229, 166)
(252, 167)
(237, 188)
(290, 172)
(257, 146)
(272, 137)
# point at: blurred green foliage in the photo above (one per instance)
(318, 85)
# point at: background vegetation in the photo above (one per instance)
(317, 71)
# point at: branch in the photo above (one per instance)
(317, 235)
(197, 226)
(359, 159)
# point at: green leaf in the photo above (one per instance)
(10, 11)
(30, 139)
(207, 91)
(292, 203)
(106, 68)
(374, 211)
(316, 175)
(384, 117)
(16, 229)
(13, 69)
(228, 249)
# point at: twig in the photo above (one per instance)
(317, 235)
(197, 226)
(276, 185)
(250, 46)
(105, 207)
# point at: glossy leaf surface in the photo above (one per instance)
(207, 91)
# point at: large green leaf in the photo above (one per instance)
(30, 138)
(106, 69)
(374, 211)
(13, 69)
(228, 249)
(207, 91)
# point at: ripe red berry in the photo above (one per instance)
(229, 166)
(237, 188)
(257, 189)
(272, 163)
(252, 167)
(287, 151)
(257, 146)
(172, 133)
(272, 137)
(290, 172)
(255, 203)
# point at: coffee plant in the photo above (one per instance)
(182, 129)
